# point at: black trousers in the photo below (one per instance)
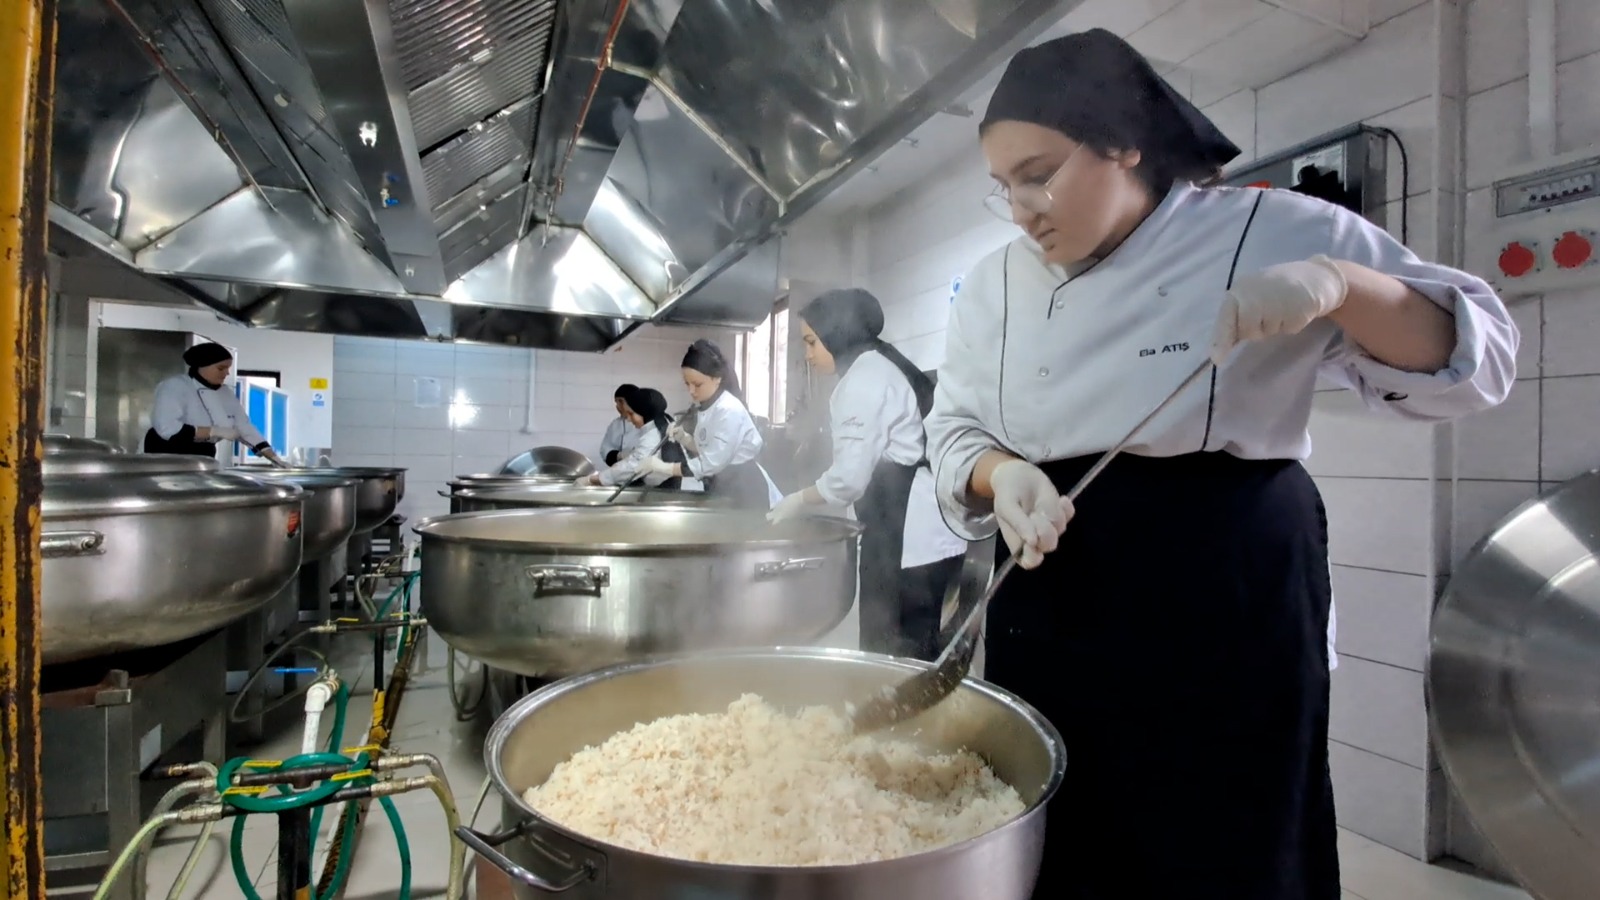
(1177, 639)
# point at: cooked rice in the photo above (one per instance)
(754, 786)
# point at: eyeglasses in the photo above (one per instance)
(1033, 196)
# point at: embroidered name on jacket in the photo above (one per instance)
(1180, 347)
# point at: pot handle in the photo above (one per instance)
(779, 568)
(445, 494)
(484, 845)
(568, 579)
(53, 544)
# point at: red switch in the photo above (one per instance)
(1516, 260)
(1573, 250)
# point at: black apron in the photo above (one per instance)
(882, 514)
(183, 442)
(741, 485)
(1178, 639)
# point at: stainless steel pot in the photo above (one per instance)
(328, 517)
(561, 462)
(557, 591)
(378, 492)
(144, 550)
(544, 496)
(547, 727)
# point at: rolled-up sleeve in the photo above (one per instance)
(249, 435)
(860, 436)
(965, 416)
(1482, 366)
(627, 467)
(166, 414)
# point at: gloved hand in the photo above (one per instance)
(589, 480)
(220, 433)
(1031, 513)
(271, 456)
(682, 437)
(655, 465)
(1278, 300)
(790, 507)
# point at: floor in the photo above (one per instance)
(427, 724)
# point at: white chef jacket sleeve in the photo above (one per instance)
(248, 434)
(612, 440)
(965, 416)
(1480, 370)
(859, 418)
(166, 414)
(718, 432)
(628, 466)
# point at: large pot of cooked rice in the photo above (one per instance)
(732, 774)
(558, 591)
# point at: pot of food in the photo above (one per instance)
(329, 515)
(557, 591)
(497, 482)
(142, 550)
(559, 462)
(609, 789)
(563, 494)
(378, 490)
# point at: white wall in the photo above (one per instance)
(1389, 487)
(483, 420)
(297, 356)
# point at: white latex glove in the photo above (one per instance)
(684, 439)
(271, 456)
(1031, 513)
(790, 507)
(1278, 300)
(586, 480)
(655, 465)
(220, 433)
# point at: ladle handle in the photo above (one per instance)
(484, 845)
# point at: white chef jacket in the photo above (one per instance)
(874, 416)
(621, 436)
(1048, 367)
(181, 400)
(725, 435)
(649, 442)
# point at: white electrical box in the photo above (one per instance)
(1546, 232)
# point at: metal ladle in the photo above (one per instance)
(922, 691)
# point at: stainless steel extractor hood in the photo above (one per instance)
(527, 172)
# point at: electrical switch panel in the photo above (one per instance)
(1546, 228)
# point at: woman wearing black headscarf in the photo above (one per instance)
(192, 412)
(645, 410)
(725, 443)
(908, 555)
(1175, 632)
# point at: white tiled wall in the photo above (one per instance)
(482, 420)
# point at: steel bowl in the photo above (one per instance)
(559, 462)
(550, 725)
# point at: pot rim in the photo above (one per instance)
(136, 502)
(320, 482)
(494, 743)
(427, 529)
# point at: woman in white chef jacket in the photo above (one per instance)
(621, 435)
(647, 414)
(908, 555)
(1176, 631)
(194, 411)
(723, 449)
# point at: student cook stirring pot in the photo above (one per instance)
(193, 412)
(725, 443)
(1175, 631)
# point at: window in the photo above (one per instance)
(764, 365)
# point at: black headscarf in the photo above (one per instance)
(622, 392)
(201, 355)
(1096, 89)
(651, 406)
(848, 323)
(707, 359)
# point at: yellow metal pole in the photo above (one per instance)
(27, 75)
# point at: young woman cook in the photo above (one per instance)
(725, 443)
(1176, 632)
(646, 412)
(621, 435)
(908, 555)
(192, 413)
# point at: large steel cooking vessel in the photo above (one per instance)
(1514, 689)
(556, 591)
(568, 495)
(328, 518)
(560, 462)
(548, 726)
(144, 550)
(378, 492)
